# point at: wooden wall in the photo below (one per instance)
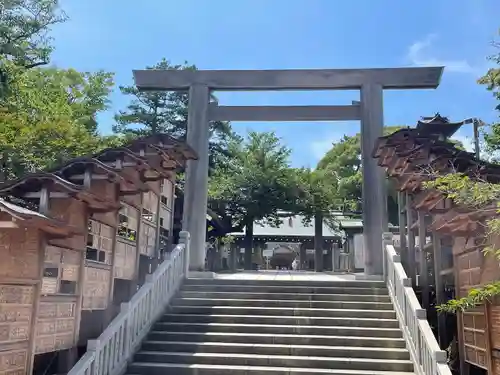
(480, 327)
(19, 283)
(55, 293)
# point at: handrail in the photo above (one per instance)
(111, 352)
(425, 352)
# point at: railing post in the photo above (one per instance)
(124, 308)
(93, 346)
(386, 240)
(184, 238)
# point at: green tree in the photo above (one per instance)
(479, 196)
(79, 94)
(317, 197)
(492, 82)
(343, 161)
(166, 112)
(254, 183)
(24, 28)
(49, 117)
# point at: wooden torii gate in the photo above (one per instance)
(369, 111)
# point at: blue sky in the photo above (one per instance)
(119, 36)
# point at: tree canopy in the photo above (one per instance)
(343, 161)
(49, 116)
(166, 112)
(24, 27)
(254, 182)
(492, 82)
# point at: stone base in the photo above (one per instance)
(201, 275)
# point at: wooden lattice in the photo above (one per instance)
(55, 329)
(13, 362)
(128, 222)
(147, 239)
(150, 206)
(96, 288)
(125, 259)
(474, 333)
(16, 305)
(61, 271)
(100, 242)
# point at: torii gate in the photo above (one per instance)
(370, 82)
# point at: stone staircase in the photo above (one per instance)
(264, 327)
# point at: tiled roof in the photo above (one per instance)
(290, 227)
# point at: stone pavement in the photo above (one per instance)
(285, 275)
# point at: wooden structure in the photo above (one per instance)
(292, 230)
(77, 241)
(441, 240)
(370, 83)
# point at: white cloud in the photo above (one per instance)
(418, 54)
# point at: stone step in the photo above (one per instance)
(284, 296)
(283, 303)
(281, 339)
(288, 320)
(274, 361)
(292, 283)
(278, 329)
(139, 368)
(283, 311)
(283, 289)
(276, 349)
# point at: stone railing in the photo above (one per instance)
(111, 352)
(425, 353)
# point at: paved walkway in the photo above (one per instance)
(285, 275)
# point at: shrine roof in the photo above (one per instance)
(292, 226)
(174, 150)
(35, 181)
(163, 141)
(110, 155)
(437, 125)
(33, 218)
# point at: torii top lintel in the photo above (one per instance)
(295, 79)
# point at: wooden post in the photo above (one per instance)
(36, 304)
(302, 256)
(134, 285)
(403, 251)
(158, 253)
(460, 323)
(43, 207)
(109, 314)
(439, 290)
(424, 272)
(234, 257)
(318, 242)
(411, 241)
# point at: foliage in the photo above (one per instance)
(254, 180)
(24, 27)
(49, 116)
(343, 163)
(79, 95)
(492, 82)
(317, 193)
(477, 195)
(166, 112)
(228, 240)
